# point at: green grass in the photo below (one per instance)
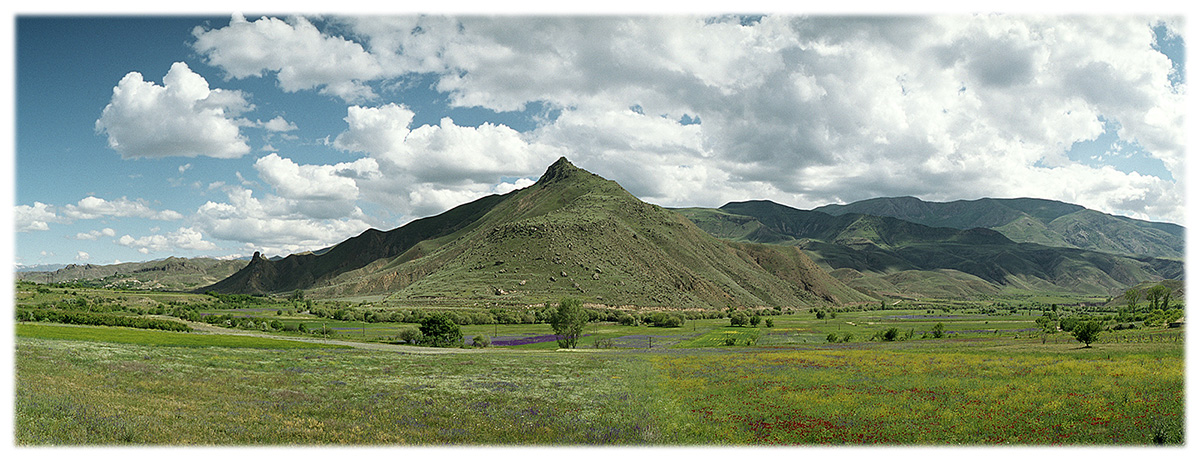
(980, 392)
(86, 393)
(157, 338)
(1003, 392)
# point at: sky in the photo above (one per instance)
(143, 137)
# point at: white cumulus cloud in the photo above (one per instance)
(95, 234)
(183, 117)
(93, 207)
(186, 238)
(300, 56)
(36, 217)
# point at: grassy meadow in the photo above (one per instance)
(993, 378)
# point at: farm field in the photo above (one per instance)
(966, 391)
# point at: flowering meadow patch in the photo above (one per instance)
(929, 396)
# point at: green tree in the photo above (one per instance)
(939, 330)
(755, 320)
(1159, 296)
(770, 323)
(1087, 332)
(1131, 298)
(820, 315)
(832, 337)
(440, 331)
(568, 322)
(738, 319)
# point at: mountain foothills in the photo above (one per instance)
(572, 233)
(175, 274)
(886, 256)
(1028, 220)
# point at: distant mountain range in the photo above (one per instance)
(886, 256)
(571, 234)
(1028, 220)
(173, 274)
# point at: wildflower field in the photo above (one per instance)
(985, 393)
(95, 390)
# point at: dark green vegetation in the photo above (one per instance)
(1027, 220)
(171, 274)
(159, 338)
(571, 234)
(889, 257)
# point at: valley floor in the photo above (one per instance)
(969, 391)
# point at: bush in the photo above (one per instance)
(770, 323)
(847, 337)
(755, 320)
(939, 330)
(832, 337)
(440, 331)
(663, 319)
(891, 334)
(481, 341)
(738, 319)
(410, 335)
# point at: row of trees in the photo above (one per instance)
(98, 318)
(1158, 295)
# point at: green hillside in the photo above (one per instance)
(1027, 220)
(571, 234)
(172, 274)
(888, 256)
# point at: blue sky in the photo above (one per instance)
(139, 138)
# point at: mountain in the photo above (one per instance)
(39, 267)
(572, 233)
(889, 256)
(1028, 220)
(174, 274)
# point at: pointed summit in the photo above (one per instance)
(558, 171)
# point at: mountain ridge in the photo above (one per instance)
(1030, 220)
(572, 233)
(869, 252)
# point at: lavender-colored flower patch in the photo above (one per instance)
(932, 317)
(1022, 330)
(522, 340)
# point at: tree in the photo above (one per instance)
(738, 319)
(755, 320)
(1131, 298)
(1159, 296)
(770, 323)
(939, 330)
(1087, 332)
(568, 322)
(440, 331)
